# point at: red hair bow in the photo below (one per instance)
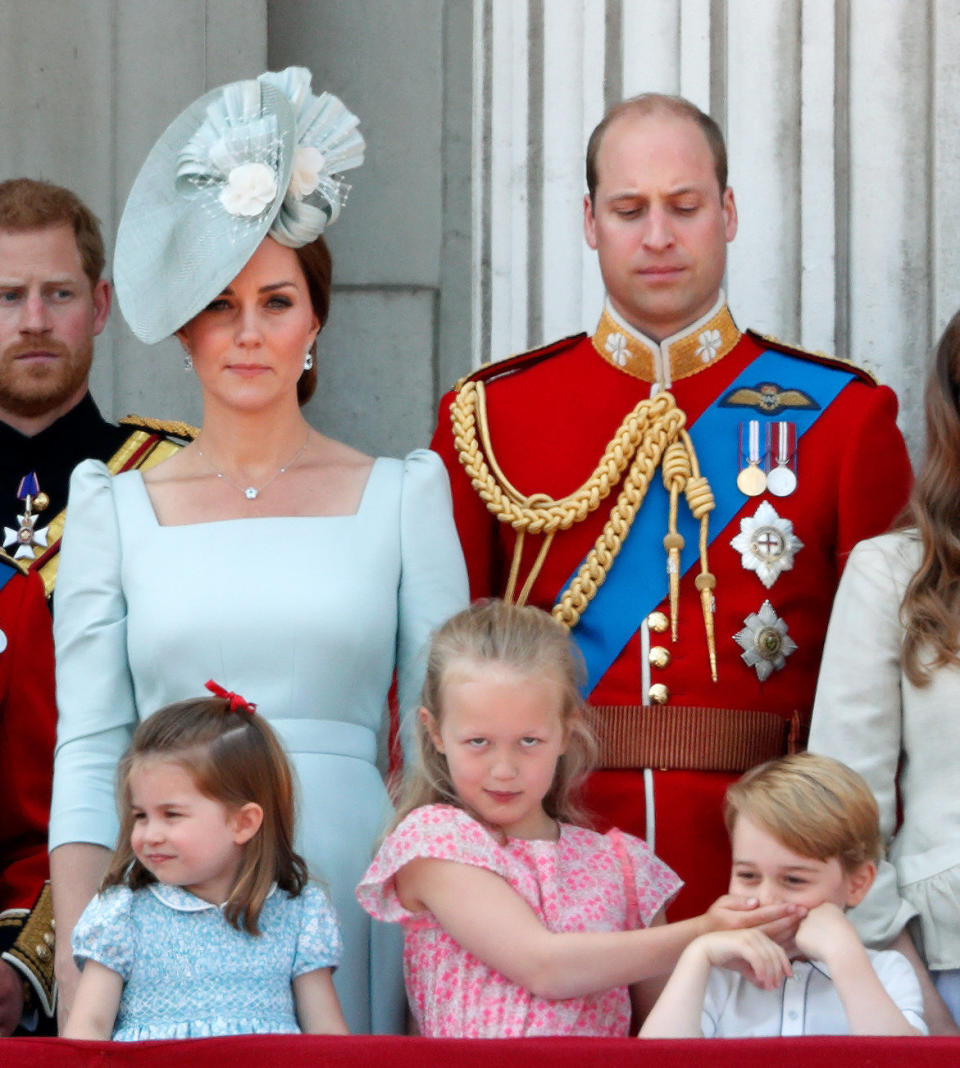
(237, 703)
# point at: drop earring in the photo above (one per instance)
(308, 360)
(187, 360)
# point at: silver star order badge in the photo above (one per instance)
(766, 544)
(26, 538)
(765, 642)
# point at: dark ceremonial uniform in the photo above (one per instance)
(52, 455)
(28, 718)
(39, 468)
(549, 417)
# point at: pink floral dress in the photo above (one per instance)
(583, 882)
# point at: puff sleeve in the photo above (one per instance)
(95, 696)
(319, 943)
(436, 832)
(650, 884)
(433, 580)
(105, 932)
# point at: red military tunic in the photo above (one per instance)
(551, 414)
(28, 720)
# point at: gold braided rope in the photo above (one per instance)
(681, 471)
(661, 430)
(652, 432)
(508, 504)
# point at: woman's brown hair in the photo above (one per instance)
(527, 640)
(317, 266)
(233, 757)
(930, 612)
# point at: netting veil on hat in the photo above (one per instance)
(252, 158)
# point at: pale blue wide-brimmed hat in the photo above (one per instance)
(252, 158)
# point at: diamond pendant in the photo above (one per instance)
(250, 493)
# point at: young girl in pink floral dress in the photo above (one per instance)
(516, 920)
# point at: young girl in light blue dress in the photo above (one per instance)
(205, 923)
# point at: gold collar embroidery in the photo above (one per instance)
(684, 354)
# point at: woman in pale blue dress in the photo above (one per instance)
(286, 565)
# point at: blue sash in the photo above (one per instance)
(7, 571)
(637, 582)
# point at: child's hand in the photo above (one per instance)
(677, 1013)
(750, 952)
(825, 931)
(734, 913)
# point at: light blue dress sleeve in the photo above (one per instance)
(95, 699)
(433, 581)
(319, 943)
(105, 932)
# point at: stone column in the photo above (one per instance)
(843, 136)
(87, 88)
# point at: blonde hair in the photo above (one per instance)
(233, 757)
(529, 641)
(812, 804)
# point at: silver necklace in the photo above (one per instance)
(253, 492)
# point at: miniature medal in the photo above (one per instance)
(782, 448)
(751, 481)
(27, 537)
(765, 642)
(766, 544)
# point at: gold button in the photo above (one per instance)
(42, 951)
(658, 622)
(48, 938)
(658, 694)
(659, 656)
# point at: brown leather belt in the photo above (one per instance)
(687, 737)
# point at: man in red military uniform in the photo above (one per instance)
(685, 494)
(28, 720)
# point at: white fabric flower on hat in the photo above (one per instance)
(308, 166)
(250, 189)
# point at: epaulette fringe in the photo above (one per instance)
(840, 362)
(173, 427)
(487, 371)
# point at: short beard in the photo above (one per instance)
(50, 390)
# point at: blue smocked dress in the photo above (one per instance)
(306, 616)
(188, 973)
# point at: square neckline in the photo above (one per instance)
(148, 504)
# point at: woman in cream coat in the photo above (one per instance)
(888, 703)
